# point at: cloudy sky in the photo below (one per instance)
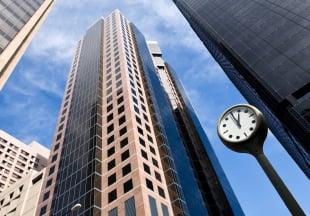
(30, 101)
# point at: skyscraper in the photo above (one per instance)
(263, 47)
(18, 159)
(19, 21)
(117, 149)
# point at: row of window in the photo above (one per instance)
(60, 130)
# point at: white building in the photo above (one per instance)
(17, 159)
(21, 198)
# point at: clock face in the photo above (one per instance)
(238, 124)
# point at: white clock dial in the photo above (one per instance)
(238, 124)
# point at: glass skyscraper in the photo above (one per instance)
(264, 48)
(127, 140)
(19, 21)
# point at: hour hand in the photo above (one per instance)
(235, 120)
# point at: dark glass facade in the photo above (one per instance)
(263, 47)
(203, 186)
(79, 175)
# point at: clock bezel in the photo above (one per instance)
(259, 122)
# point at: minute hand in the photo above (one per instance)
(235, 120)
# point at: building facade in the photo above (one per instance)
(112, 150)
(22, 197)
(263, 47)
(19, 21)
(18, 159)
(212, 185)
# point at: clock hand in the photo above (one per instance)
(235, 120)
(239, 120)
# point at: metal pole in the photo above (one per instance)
(279, 185)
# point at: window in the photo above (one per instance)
(112, 196)
(121, 109)
(147, 128)
(145, 117)
(128, 186)
(60, 127)
(146, 168)
(109, 108)
(120, 91)
(109, 91)
(113, 212)
(46, 195)
(118, 76)
(56, 147)
(155, 162)
(135, 100)
(138, 120)
(122, 131)
(110, 117)
(125, 155)
(112, 179)
(110, 128)
(54, 158)
(144, 154)
(153, 206)
(150, 138)
(165, 210)
(110, 139)
(109, 99)
(118, 84)
(122, 120)
(136, 109)
(52, 169)
(130, 208)
(140, 130)
(143, 107)
(48, 183)
(141, 141)
(111, 151)
(157, 175)
(124, 142)
(43, 210)
(58, 137)
(111, 164)
(161, 192)
(152, 150)
(149, 184)
(126, 169)
(120, 100)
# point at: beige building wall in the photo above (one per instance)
(21, 199)
(146, 169)
(18, 159)
(12, 53)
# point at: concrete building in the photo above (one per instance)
(21, 198)
(264, 48)
(18, 159)
(117, 138)
(19, 21)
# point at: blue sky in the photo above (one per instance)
(30, 101)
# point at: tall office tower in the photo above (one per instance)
(112, 150)
(23, 196)
(213, 188)
(18, 159)
(19, 21)
(264, 48)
